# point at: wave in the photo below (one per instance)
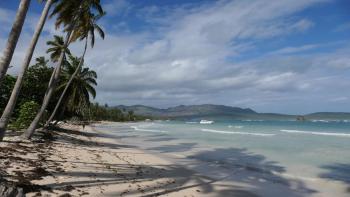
(331, 121)
(316, 133)
(237, 127)
(320, 121)
(236, 132)
(191, 122)
(148, 130)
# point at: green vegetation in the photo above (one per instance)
(27, 112)
(60, 88)
(221, 112)
(97, 112)
(5, 90)
(76, 104)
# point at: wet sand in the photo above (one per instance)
(70, 161)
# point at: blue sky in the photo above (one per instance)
(286, 56)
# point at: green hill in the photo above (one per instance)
(210, 111)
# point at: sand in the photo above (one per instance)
(89, 163)
(72, 161)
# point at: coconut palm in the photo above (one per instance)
(85, 31)
(13, 38)
(77, 100)
(57, 45)
(41, 61)
(81, 87)
(28, 57)
(70, 15)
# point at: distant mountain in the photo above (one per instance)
(187, 110)
(202, 111)
(209, 111)
(328, 116)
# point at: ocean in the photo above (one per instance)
(312, 151)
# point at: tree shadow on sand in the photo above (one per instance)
(82, 133)
(177, 179)
(70, 136)
(253, 174)
(261, 176)
(161, 139)
(253, 169)
(181, 147)
(338, 172)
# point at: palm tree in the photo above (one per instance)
(41, 61)
(13, 38)
(28, 57)
(69, 14)
(86, 31)
(81, 86)
(57, 45)
(131, 115)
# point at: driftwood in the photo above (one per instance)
(7, 190)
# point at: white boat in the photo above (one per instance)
(206, 122)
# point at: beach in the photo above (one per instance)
(89, 163)
(175, 98)
(72, 161)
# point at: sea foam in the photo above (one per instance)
(235, 132)
(237, 127)
(316, 133)
(148, 130)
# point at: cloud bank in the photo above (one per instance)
(215, 52)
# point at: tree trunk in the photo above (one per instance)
(67, 86)
(60, 116)
(28, 57)
(50, 89)
(13, 37)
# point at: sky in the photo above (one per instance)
(284, 56)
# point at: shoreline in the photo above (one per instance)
(253, 171)
(89, 163)
(93, 162)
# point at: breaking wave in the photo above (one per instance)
(237, 133)
(317, 133)
(148, 130)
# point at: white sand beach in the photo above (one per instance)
(90, 162)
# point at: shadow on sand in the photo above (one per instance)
(70, 138)
(338, 172)
(243, 167)
(253, 174)
(177, 176)
(181, 147)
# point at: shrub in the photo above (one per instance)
(27, 113)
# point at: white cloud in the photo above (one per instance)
(339, 99)
(186, 62)
(6, 16)
(343, 27)
(182, 59)
(303, 25)
(298, 49)
(339, 62)
(117, 7)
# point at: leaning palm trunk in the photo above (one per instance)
(17, 88)
(51, 87)
(13, 38)
(67, 86)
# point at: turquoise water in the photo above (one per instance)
(319, 150)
